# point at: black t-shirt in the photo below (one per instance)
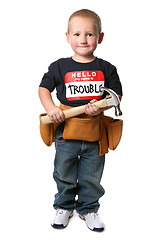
(77, 83)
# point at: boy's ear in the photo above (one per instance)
(67, 37)
(100, 37)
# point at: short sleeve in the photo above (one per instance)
(48, 80)
(113, 81)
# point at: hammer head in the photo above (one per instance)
(113, 101)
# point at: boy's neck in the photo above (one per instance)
(82, 59)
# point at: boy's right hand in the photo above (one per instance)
(56, 115)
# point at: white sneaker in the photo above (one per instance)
(93, 222)
(62, 218)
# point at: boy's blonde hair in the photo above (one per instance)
(87, 13)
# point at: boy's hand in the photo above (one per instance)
(91, 109)
(56, 115)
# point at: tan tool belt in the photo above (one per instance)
(100, 128)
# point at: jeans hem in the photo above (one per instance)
(85, 212)
(68, 209)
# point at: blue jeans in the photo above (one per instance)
(78, 170)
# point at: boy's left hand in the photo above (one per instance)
(91, 109)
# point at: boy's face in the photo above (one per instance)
(83, 36)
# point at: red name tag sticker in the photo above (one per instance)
(84, 85)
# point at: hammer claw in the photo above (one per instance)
(113, 101)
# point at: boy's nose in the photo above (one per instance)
(83, 39)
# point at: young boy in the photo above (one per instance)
(78, 167)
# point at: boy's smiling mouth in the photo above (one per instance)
(85, 46)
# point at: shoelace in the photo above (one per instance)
(94, 215)
(60, 211)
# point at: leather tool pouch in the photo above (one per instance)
(86, 129)
(82, 128)
(114, 129)
(46, 131)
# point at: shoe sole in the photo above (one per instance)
(94, 229)
(58, 226)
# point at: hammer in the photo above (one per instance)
(112, 101)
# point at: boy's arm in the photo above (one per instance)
(55, 113)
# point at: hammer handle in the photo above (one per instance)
(74, 111)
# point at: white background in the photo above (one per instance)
(33, 36)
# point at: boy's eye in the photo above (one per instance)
(90, 34)
(76, 34)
